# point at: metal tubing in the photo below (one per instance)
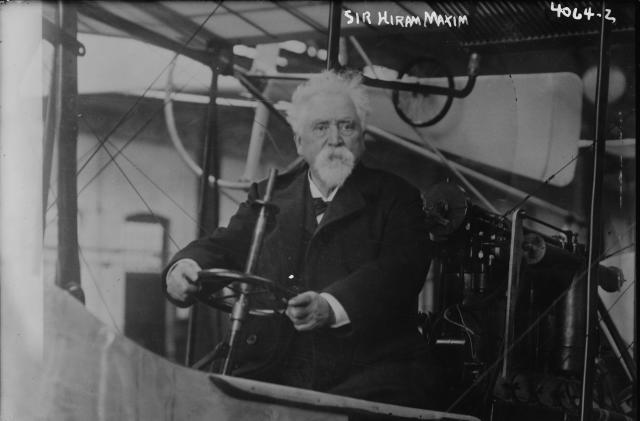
(333, 45)
(68, 273)
(595, 220)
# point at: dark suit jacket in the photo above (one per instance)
(370, 251)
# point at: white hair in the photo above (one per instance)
(328, 82)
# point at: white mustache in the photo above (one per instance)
(340, 153)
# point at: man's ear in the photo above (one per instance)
(298, 141)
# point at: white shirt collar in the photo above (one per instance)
(315, 191)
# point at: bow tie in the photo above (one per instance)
(319, 205)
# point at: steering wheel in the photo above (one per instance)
(221, 288)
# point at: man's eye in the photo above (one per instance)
(320, 127)
(347, 126)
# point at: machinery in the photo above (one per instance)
(510, 314)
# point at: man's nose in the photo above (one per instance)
(334, 136)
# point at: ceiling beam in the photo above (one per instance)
(99, 13)
(186, 24)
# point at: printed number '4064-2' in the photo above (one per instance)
(573, 12)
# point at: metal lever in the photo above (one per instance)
(240, 308)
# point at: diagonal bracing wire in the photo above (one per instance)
(128, 113)
(95, 283)
(545, 182)
(135, 189)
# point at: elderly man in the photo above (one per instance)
(351, 240)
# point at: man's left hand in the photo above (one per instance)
(309, 311)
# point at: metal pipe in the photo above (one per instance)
(333, 45)
(595, 220)
(68, 273)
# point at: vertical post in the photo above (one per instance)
(260, 121)
(595, 220)
(21, 250)
(513, 285)
(333, 45)
(68, 272)
(208, 211)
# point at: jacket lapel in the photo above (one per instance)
(291, 223)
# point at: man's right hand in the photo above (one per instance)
(181, 280)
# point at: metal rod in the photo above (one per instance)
(363, 55)
(428, 89)
(240, 308)
(239, 73)
(568, 233)
(472, 173)
(513, 283)
(68, 273)
(595, 220)
(208, 213)
(333, 44)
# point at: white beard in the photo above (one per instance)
(333, 166)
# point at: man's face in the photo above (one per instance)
(331, 140)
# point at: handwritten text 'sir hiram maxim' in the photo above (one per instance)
(405, 21)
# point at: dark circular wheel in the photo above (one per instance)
(221, 287)
(420, 110)
(447, 207)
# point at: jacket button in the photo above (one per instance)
(252, 339)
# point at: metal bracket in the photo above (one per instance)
(52, 33)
